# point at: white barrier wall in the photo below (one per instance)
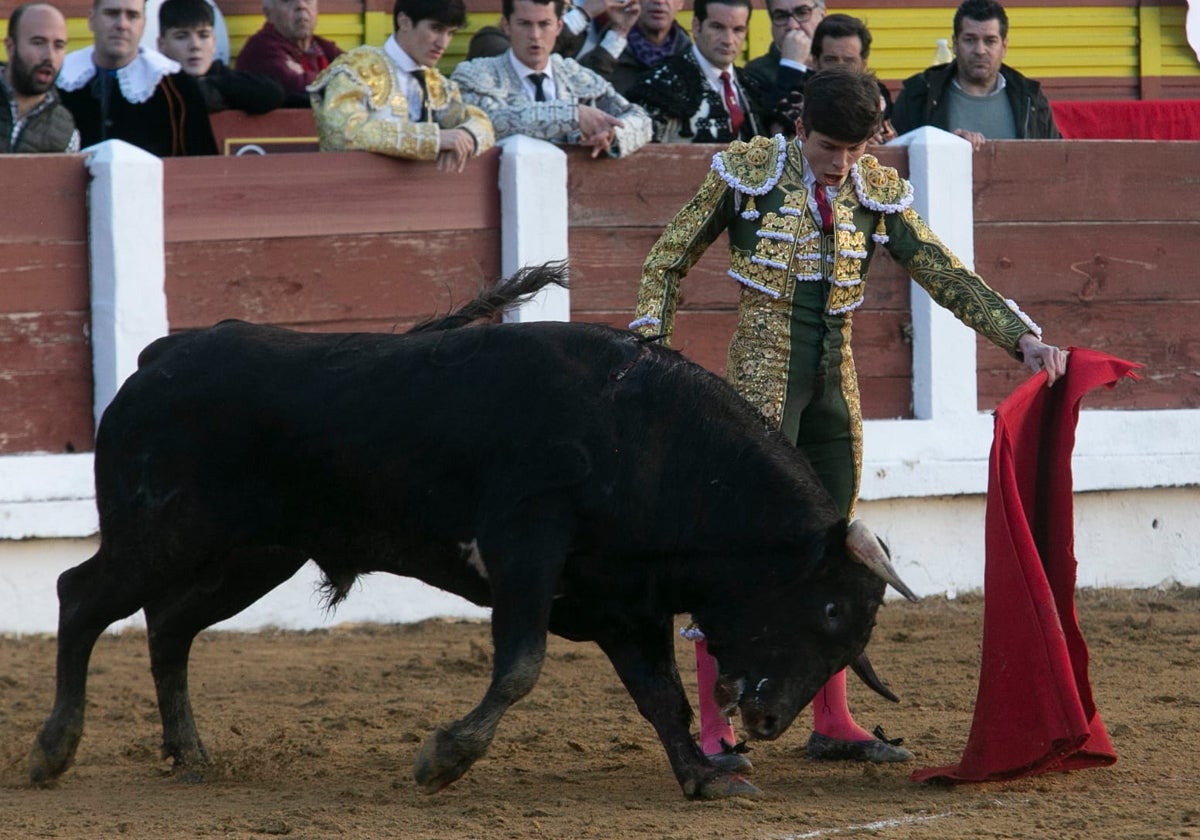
(1136, 472)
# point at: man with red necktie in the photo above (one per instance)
(699, 96)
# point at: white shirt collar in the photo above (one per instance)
(138, 79)
(809, 179)
(711, 72)
(524, 71)
(398, 56)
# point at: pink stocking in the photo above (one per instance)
(713, 725)
(831, 713)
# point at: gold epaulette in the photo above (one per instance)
(880, 187)
(371, 66)
(754, 166)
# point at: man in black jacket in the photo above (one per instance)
(118, 91)
(976, 95)
(699, 96)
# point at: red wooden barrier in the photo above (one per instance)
(328, 241)
(1095, 239)
(1098, 241)
(45, 311)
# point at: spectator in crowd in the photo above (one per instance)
(977, 96)
(793, 23)
(844, 41)
(187, 37)
(583, 25)
(288, 49)
(392, 99)
(118, 91)
(31, 117)
(804, 218)
(220, 29)
(531, 90)
(623, 54)
(699, 96)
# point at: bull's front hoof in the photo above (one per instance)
(190, 774)
(444, 758)
(43, 771)
(47, 762)
(190, 765)
(723, 786)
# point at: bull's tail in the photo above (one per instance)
(524, 284)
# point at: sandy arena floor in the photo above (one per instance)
(314, 736)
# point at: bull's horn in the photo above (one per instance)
(865, 547)
(862, 667)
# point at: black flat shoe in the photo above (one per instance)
(821, 748)
(731, 759)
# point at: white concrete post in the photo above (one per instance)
(128, 262)
(944, 372)
(533, 220)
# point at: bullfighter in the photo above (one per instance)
(804, 218)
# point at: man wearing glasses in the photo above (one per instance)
(787, 64)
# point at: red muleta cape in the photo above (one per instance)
(1034, 711)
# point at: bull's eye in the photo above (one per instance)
(832, 611)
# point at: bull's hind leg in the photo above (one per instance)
(523, 566)
(90, 597)
(172, 622)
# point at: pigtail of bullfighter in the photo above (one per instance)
(521, 286)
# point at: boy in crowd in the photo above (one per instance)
(186, 35)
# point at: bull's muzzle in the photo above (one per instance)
(760, 718)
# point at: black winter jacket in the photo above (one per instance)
(922, 101)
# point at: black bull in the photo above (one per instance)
(572, 477)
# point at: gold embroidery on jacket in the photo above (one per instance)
(758, 355)
(850, 395)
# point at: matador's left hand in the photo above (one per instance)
(1040, 356)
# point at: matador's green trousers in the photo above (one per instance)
(817, 413)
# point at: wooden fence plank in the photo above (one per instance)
(292, 196)
(46, 198)
(45, 383)
(1086, 181)
(1160, 335)
(377, 278)
(44, 276)
(1090, 263)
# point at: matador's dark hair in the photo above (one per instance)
(841, 104)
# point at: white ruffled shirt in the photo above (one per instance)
(138, 79)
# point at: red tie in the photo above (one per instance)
(826, 210)
(736, 116)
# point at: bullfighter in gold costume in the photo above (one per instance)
(803, 271)
(392, 100)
